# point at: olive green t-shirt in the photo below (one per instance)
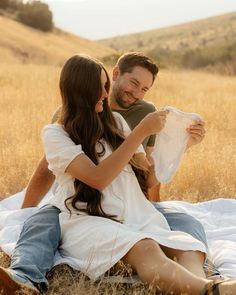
(132, 115)
(135, 114)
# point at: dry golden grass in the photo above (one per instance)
(29, 95)
(63, 280)
(28, 98)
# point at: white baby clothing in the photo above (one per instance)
(96, 243)
(171, 143)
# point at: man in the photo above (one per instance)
(133, 76)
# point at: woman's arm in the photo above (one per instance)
(101, 175)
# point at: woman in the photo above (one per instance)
(102, 177)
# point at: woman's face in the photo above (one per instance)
(99, 104)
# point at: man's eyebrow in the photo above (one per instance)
(145, 88)
(135, 80)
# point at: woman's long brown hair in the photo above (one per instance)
(80, 87)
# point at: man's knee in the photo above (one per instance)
(183, 221)
(46, 218)
(188, 224)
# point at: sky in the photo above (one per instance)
(98, 19)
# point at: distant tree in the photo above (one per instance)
(15, 4)
(195, 59)
(37, 15)
(4, 4)
(139, 44)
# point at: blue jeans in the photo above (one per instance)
(36, 247)
(183, 222)
(40, 238)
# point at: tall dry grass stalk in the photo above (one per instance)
(29, 95)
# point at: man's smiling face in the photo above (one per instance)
(130, 87)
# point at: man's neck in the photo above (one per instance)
(114, 105)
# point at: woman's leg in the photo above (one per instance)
(156, 269)
(191, 260)
(183, 222)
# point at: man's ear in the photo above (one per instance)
(115, 72)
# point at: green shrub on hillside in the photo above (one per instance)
(33, 13)
(37, 15)
(216, 58)
(195, 59)
(165, 58)
(12, 5)
(221, 57)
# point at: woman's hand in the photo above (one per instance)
(153, 123)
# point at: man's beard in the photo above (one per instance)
(118, 97)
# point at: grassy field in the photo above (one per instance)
(29, 95)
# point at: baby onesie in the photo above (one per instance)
(171, 143)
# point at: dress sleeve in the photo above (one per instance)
(123, 125)
(60, 150)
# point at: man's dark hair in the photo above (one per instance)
(130, 60)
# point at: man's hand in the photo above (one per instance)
(196, 133)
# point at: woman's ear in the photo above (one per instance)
(115, 72)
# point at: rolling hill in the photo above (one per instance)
(22, 44)
(206, 42)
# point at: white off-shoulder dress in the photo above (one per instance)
(97, 243)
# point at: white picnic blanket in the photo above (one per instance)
(217, 216)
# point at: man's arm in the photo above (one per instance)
(154, 191)
(39, 184)
(196, 133)
(41, 180)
